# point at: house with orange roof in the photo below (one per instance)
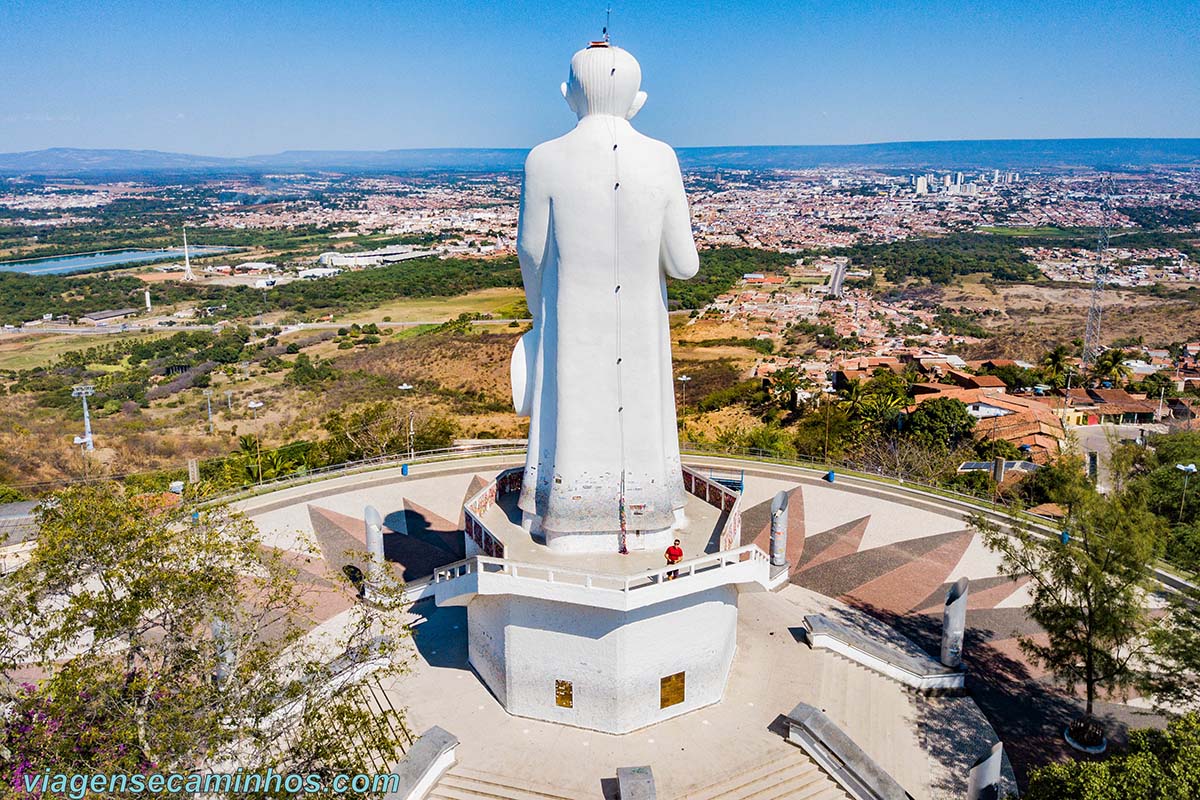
(1027, 423)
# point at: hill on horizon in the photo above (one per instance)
(1050, 154)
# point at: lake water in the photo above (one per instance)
(86, 262)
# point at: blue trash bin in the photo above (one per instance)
(404, 469)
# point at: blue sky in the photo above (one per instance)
(240, 78)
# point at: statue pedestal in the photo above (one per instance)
(604, 669)
(577, 542)
(568, 630)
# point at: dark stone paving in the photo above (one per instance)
(835, 543)
(342, 540)
(840, 577)
(756, 526)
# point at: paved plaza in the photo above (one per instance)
(870, 552)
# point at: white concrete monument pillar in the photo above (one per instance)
(983, 781)
(954, 622)
(779, 527)
(375, 571)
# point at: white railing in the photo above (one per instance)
(601, 580)
(721, 497)
(476, 531)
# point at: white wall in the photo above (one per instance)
(614, 659)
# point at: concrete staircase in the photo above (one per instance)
(878, 713)
(461, 783)
(788, 775)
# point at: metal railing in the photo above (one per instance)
(605, 581)
(389, 461)
(846, 466)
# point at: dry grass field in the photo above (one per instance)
(499, 302)
(29, 350)
(1035, 317)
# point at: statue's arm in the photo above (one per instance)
(677, 251)
(533, 230)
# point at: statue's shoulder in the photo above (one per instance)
(545, 154)
(660, 149)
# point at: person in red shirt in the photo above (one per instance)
(674, 556)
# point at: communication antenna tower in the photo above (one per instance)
(607, 22)
(1091, 335)
(188, 275)
(83, 392)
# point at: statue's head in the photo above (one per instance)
(604, 80)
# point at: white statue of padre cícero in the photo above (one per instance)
(604, 220)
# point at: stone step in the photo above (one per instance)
(824, 789)
(747, 781)
(466, 784)
(790, 776)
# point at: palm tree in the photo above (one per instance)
(878, 409)
(1056, 364)
(784, 385)
(852, 398)
(1110, 366)
(276, 464)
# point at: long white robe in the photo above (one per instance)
(604, 220)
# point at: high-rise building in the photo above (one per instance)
(958, 178)
(922, 185)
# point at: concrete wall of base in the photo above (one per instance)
(614, 660)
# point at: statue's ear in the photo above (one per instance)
(567, 96)
(639, 100)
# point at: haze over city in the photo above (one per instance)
(231, 78)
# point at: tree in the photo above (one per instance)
(1110, 367)
(909, 457)
(1088, 594)
(784, 385)
(1163, 484)
(825, 433)
(852, 398)
(880, 410)
(892, 385)
(770, 440)
(1172, 672)
(171, 640)
(942, 423)
(1056, 365)
(434, 433)
(1156, 385)
(372, 430)
(1159, 765)
(306, 372)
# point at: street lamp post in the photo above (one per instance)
(83, 392)
(683, 382)
(412, 431)
(1188, 471)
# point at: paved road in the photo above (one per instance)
(106, 330)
